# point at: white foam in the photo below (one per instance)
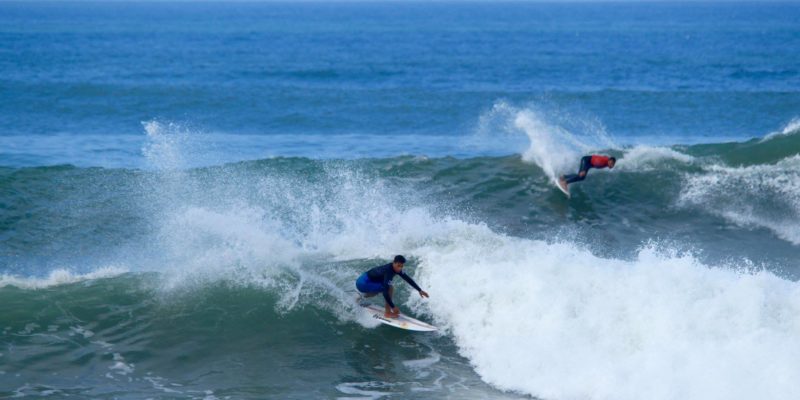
(766, 196)
(158, 383)
(59, 277)
(426, 362)
(364, 390)
(554, 321)
(120, 367)
(285, 240)
(647, 158)
(554, 147)
(209, 395)
(82, 331)
(103, 344)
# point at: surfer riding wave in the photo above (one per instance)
(379, 280)
(587, 163)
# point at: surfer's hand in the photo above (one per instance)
(423, 294)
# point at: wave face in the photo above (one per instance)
(124, 336)
(656, 279)
(680, 194)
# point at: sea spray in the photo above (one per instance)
(556, 140)
(649, 158)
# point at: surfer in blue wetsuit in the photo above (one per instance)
(379, 280)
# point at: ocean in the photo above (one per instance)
(189, 190)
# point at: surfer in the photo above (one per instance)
(587, 162)
(379, 280)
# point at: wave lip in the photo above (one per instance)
(791, 128)
(647, 158)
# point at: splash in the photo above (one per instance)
(296, 235)
(554, 144)
(648, 158)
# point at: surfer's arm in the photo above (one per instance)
(409, 280)
(387, 285)
(388, 297)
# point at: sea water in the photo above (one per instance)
(189, 190)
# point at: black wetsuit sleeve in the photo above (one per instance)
(386, 297)
(388, 274)
(409, 280)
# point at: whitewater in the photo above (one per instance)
(189, 190)
(549, 317)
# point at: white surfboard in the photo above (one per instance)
(402, 322)
(562, 187)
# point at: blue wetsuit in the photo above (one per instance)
(379, 279)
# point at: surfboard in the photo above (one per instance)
(562, 187)
(402, 322)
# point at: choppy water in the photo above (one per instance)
(188, 192)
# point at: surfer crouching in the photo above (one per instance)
(588, 162)
(379, 280)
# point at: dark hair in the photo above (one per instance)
(400, 259)
(614, 159)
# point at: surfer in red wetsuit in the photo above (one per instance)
(588, 162)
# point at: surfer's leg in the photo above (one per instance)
(367, 287)
(586, 163)
(573, 178)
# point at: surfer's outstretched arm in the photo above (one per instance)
(413, 284)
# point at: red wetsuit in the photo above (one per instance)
(599, 161)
